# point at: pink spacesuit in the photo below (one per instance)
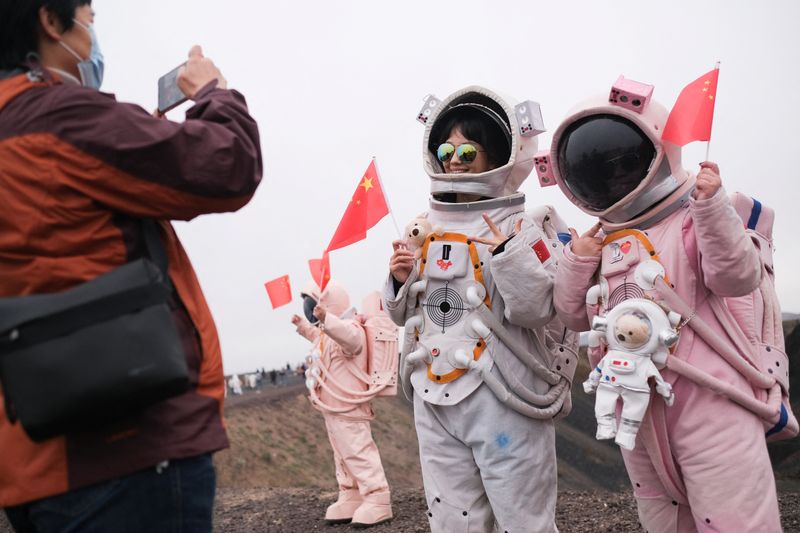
(700, 464)
(340, 344)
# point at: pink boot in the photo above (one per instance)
(376, 509)
(343, 509)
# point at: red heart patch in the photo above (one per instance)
(625, 247)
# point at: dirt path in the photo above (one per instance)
(301, 510)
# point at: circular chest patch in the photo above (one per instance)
(626, 291)
(444, 307)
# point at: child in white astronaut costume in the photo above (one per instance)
(635, 331)
(340, 344)
(486, 386)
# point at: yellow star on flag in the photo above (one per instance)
(367, 184)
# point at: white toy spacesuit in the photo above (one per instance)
(672, 237)
(487, 378)
(339, 388)
(635, 331)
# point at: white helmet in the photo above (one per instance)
(519, 123)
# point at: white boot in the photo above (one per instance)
(606, 430)
(343, 509)
(626, 440)
(376, 509)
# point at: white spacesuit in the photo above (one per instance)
(487, 378)
(635, 332)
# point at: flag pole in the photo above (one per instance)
(323, 271)
(386, 197)
(708, 144)
(322, 274)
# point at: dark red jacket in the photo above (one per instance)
(77, 171)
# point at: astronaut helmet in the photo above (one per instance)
(608, 158)
(506, 134)
(639, 326)
(333, 298)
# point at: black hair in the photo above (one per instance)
(476, 125)
(19, 27)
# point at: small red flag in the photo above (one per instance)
(279, 291)
(365, 209)
(320, 271)
(693, 112)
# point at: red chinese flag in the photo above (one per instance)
(320, 271)
(279, 291)
(365, 209)
(692, 115)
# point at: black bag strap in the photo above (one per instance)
(155, 249)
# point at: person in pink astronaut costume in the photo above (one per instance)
(700, 464)
(340, 341)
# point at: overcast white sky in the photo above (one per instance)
(334, 83)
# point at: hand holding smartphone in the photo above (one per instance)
(197, 72)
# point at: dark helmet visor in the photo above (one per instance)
(309, 304)
(602, 158)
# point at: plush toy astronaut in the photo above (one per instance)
(476, 303)
(634, 331)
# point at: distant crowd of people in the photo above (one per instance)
(237, 384)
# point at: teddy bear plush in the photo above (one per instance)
(631, 330)
(415, 233)
(634, 332)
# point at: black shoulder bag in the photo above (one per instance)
(94, 353)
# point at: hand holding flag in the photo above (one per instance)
(708, 181)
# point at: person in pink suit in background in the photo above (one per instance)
(340, 342)
(702, 463)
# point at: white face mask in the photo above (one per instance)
(91, 69)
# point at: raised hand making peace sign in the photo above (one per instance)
(498, 237)
(588, 244)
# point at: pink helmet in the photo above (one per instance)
(334, 297)
(608, 158)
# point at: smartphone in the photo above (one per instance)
(169, 95)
